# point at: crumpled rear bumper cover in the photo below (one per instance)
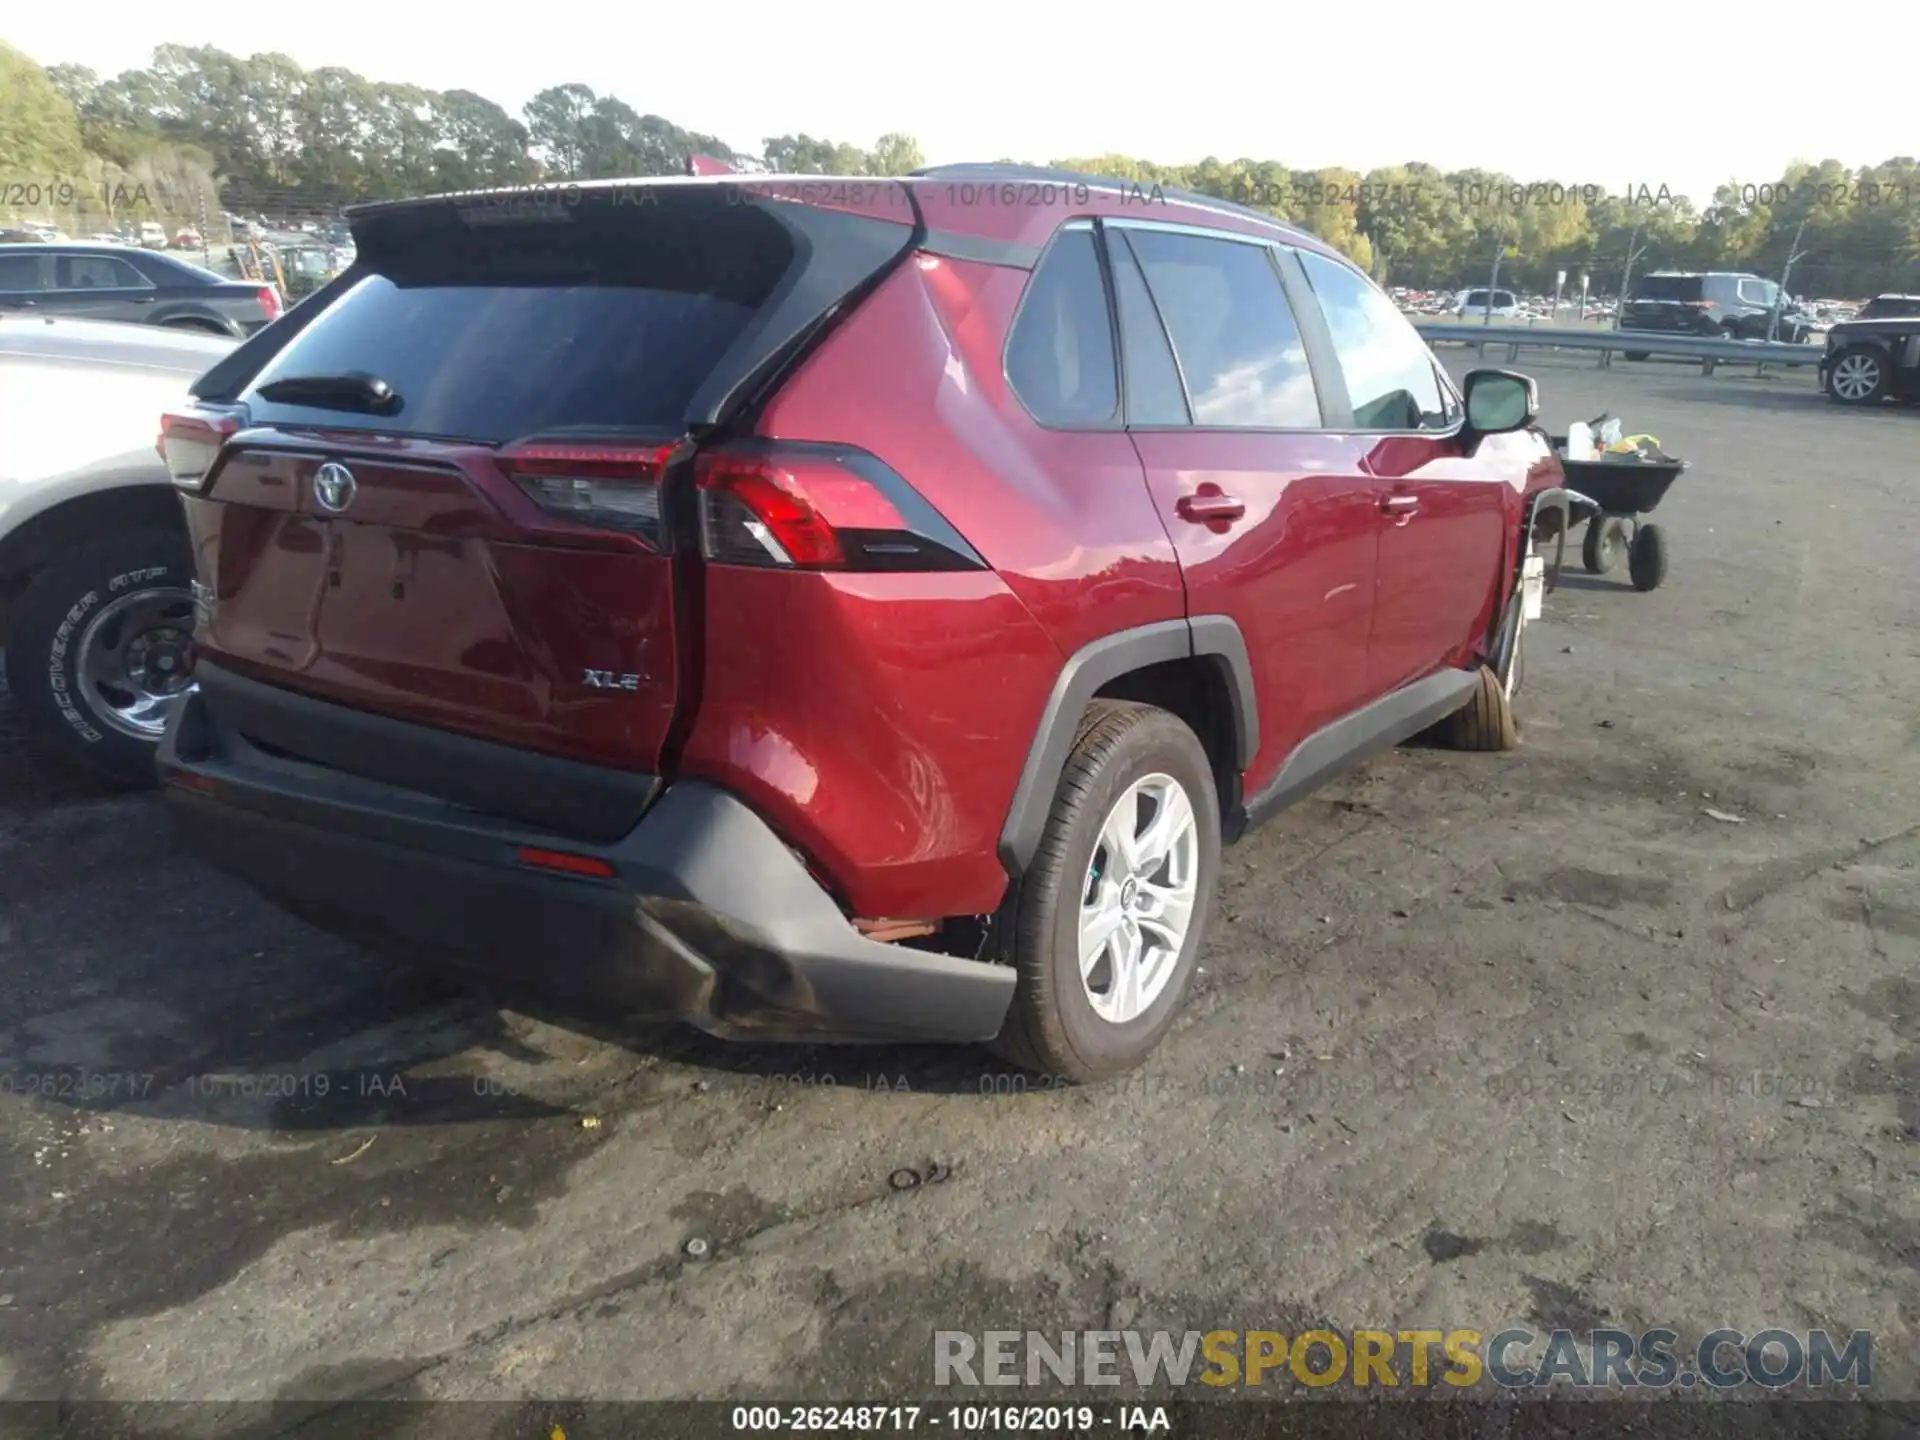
(708, 915)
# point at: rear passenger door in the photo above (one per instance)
(100, 287)
(1273, 525)
(1442, 513)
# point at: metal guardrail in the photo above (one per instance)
(1709, 350)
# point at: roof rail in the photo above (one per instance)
(985, 171)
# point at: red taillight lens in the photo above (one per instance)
(607, 486)
(756, 513)
(566, 862)
(818, 507)
(270, 302)
(190, 442)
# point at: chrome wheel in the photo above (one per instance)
(1855, 377)
(136, 659)
(1137, 903)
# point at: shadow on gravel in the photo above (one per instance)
(880, 1068)
(1575, 580)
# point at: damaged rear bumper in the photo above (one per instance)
(706, 915)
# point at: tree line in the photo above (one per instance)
(262, 134)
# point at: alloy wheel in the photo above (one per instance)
(1138, 901)
(1855, 377)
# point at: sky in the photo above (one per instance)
(1685, 95)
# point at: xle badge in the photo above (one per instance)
(607, 680)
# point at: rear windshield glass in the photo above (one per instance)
(1479, 297)
(1668, 287)
(527, 329)
(1884, 306)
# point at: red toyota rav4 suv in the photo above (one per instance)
(830, 609)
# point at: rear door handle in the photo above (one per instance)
(1210, 506)
(1400, 504)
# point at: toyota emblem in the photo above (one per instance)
(334, 486)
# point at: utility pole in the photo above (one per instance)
(1634, 251)
(1486, 311)
(1794, 252)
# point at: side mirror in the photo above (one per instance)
(1500, 400)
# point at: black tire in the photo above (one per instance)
(1861, 355)
(63, 718)
(1486, 721)
(1647, 559)
(1636, 354)
(1605, 543)
(1052, 1027)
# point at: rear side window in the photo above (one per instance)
(1388, 368)
(608, 318)
(1154, 393)
(1670, 287)
(1239, 350)
(1060, 353)
(96, 272)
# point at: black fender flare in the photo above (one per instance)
(190, 314)
(1098, 663)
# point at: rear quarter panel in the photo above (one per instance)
(881, 722)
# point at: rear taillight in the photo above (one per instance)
(806, 506)
(566, 862)
(610, 487)
(270, 302)
(190, 442)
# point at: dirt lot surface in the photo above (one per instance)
(1481, 1041)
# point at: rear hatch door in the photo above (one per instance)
(444, 500)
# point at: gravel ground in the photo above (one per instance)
(1482, 1040)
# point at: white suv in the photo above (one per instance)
(1504, 304)
(96, 606)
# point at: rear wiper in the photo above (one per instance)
(352, 390)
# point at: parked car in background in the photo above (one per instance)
(1886, 307)
(1500, 304)
(186, 240)
(1731, 304)
(577, 604)
(104, 237)
(1868, 360)
(153, 235)
(99, 282)
(96, 610)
